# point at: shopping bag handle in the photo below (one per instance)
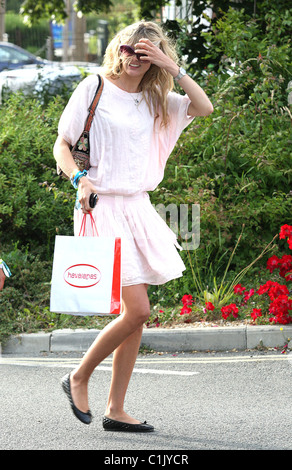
(83, 225)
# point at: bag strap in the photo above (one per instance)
(94, 104)
(83, 226)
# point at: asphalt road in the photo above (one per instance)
(231, 401)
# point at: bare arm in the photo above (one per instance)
(65, 160)
(200, 104)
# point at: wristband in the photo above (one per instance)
(180, 75)
(75, 177)
(5, 268)
(74, 173)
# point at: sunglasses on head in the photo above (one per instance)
(128, 50)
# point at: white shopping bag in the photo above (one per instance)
(86, 277)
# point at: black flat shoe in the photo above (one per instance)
(85, 418)
(113, 425)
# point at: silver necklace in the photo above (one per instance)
(136, 100)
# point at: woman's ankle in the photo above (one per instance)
(120, 415)
(78, 379)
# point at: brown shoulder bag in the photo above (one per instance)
(81, 150)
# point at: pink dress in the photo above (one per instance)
(128, 156)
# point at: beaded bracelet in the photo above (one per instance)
(5, 268)
(75, 177)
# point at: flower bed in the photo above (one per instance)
(276, 296)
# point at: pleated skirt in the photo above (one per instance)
(149, 247)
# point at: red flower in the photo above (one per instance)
(277, 290)
(228, 310)
(273, 289)
(185, 310)
(210, 306)
(278, 304)
(238, 289)
(285, 264)
(279, 307)
(287, 276)
(264, 288)
(248, 295)
(285, 231)
(282, 318)
(273, 263)
(256, 312)
(187, 299)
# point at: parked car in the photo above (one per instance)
(12, 57)
(43, 77)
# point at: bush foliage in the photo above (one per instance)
(35, 203)
(236, 164)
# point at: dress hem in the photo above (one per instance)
(152, 283)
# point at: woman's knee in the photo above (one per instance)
(138, 316)
(136, 305)
(143, 314)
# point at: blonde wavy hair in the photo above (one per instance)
(156, 82)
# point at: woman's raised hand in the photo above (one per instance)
(156, 56)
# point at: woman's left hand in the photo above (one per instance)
(85, 188)
(155, 55)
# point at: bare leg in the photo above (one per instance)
(123, 364)
(126, 326)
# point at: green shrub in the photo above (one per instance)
(237, 162)
(35, 203)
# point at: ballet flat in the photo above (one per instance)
(85, 418)
(113, 425)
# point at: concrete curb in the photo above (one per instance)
(158, 339)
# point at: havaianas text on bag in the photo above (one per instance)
(82, 275)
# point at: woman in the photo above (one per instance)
(137, 123)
